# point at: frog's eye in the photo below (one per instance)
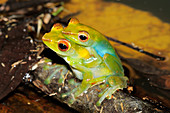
(63, 45)
(83, 36)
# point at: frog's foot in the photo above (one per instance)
(75, 84)
(76, 92)
(58, 69)
(71, 101)
(113, 83)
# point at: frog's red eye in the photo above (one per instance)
(83, 36)
(63, 45)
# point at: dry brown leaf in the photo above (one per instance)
(129, 25)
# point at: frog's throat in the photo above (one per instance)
(69, 33)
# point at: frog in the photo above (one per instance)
(92, 58)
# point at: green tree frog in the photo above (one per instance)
(90, 56)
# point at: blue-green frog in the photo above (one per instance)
(90, 56)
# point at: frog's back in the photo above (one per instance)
(103, 47)
(107, 52)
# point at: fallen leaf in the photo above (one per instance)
(138, 28)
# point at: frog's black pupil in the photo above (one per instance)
(62, 46)
(82, 37)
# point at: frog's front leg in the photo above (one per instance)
(57, 69)
(84, 86)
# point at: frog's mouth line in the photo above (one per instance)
(69, 33)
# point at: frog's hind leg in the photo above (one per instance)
(112, 84)
(105, 93)
(113, 64)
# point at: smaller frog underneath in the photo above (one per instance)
(90, 56)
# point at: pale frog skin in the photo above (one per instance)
(91, 57)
